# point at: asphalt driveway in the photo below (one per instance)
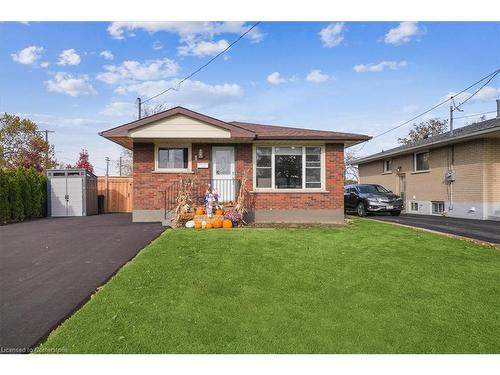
(49, 267)
(483, 230)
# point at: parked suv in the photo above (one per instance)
(364, 198)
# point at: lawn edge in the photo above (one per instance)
(88, 298)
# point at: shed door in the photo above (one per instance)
(58, 196)
(75, 196)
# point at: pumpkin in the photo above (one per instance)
(219, 211)
(197, 225)
(200, 211)
(203, 224)
(227, 224)
(209, 226)
(217, 223)
(190, 224)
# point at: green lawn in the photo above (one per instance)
(367, 288)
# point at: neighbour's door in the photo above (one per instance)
(402, 188)
(223, 172)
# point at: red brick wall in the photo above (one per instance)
(147, 184)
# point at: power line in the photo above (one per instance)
(475, 114)
(490, 76)
(204, 65)
(479, 89)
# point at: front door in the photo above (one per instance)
(223, 171)
(402, 188)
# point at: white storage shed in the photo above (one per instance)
(71, 192)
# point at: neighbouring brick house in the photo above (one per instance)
(455, 174)
(293, 175)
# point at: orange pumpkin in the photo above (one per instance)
(197, 225)
(209, 226)
(219, 211)
(200, 211)
(217, 223)
(227, 224)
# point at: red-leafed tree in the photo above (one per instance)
(83, 162)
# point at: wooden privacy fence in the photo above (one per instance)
(117, 191)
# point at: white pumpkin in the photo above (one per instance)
(190, 224)
(203, 224)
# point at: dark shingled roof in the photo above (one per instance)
(239, 130)
(459, 133)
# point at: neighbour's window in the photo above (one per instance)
(437, 207)
(422, 161)
(288, 167)
(263, 168)
(387, 165)
(173, 158)
(414, 206)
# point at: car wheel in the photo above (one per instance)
(360, 209)
(395, 213)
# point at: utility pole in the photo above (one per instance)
(107, 166)
(120, 165)
(48, 146)
(139, 104)
(451, 119)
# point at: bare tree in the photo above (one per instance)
(351, 173)
(124, 166)
(424, 130)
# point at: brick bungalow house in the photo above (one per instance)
(293, 175)
(455, 174)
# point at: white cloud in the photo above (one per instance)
(194, 94)
(402, 33)
(135, 71)
(186, 30)
(28, 56)
(68, 57)
(157, 45)
(107, 54)
(315, 75)
(410, 108)
(44, 64)
(203, 48)
(275, 78)
(380, 67)
(487, 93)
(119, 109)
(331, 35)
(72, 85)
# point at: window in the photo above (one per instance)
(288, 167)
(175, 158)
(263, 168)
(437, 207)
(414, 206)
(422, 161)
(387, 165)
(313, 167)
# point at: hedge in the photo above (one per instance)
(23, 194)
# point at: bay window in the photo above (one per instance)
(288, 167)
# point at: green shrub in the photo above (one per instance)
(22, 195)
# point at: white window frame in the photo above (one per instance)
(273, 184)
(415, 161)
(384, 168)
(173, 145)
(438, 202)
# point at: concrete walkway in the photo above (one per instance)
(49, 267)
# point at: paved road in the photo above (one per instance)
(49, 267)
(484, 230)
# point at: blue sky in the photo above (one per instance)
(83, 77)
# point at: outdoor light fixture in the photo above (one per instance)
(200, 153)
(399, 169)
